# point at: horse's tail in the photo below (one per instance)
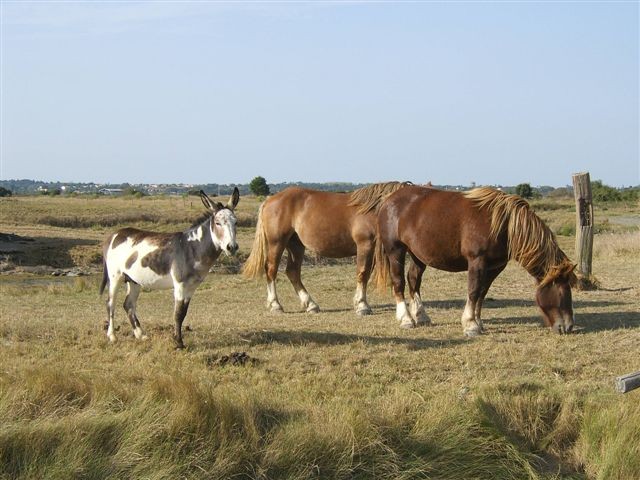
(255, 265)
(381, 265)
(105, 276)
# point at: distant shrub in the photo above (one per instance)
(524, 190)
(561, 192)
(5, 192)
(259, 186)
(566, 230)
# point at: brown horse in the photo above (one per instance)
(333, 225)
(479, 231)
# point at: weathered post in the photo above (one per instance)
(628, 382)
(584, 228)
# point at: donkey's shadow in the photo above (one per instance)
(302, 338)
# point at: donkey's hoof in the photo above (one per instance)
(313, 309)
(276, 309)
(179, 346)
(144, 338)
(471, 333)
(112, 338)
(364, 311)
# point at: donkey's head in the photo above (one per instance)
(223, 222)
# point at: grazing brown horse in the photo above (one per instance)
(333, 225)
(479, 231)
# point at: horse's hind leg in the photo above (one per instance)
(114, 283)
(130, 302)
(274, 254)
(397, 256)
(414, 279)
(476, 280)
(364, 262)
(295, 250)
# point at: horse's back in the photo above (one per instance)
(442, 228)
(323, 221)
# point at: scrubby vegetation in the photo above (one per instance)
(328, 396)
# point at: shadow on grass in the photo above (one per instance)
(49, 251)
(585, 322)
(300, 338)
(596, 322)
(494, 303)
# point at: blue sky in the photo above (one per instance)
(219, 92)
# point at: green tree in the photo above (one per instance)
(5, 192)
(259, 187)
(604, 193)
(524, 190)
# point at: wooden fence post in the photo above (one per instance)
(584, 228)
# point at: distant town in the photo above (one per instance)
(36, 187)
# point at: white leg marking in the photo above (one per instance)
(272, 298)
(139, 333)
(402, 315)
(307, 302)
(417, 310)
(360, 300)
(469, 324)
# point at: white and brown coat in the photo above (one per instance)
(179, 260)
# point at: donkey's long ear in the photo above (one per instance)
(234, 199)
(209, 205)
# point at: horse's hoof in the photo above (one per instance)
(144, 337)
(471, 333)
(313, 309)
(407, 325)
(276, 309)
(423, 323)
(364, 311)
(179, 346)
(112, 338)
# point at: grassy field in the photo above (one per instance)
(325, 396)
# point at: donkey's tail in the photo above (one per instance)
(381, 263)
(105, 276)
(254, 267)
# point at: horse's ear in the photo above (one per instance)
(234, 199)
(206, 201)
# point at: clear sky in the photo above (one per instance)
(220, 92)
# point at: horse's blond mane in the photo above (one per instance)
(370, 198)
(530, 242)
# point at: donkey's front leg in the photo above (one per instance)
(180, 311)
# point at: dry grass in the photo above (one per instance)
(613, 245)
(331, 395)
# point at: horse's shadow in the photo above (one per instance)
(496, 303)
(585, 323)
(302, 338)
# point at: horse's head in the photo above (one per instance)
(223, 221)
(554, 299)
